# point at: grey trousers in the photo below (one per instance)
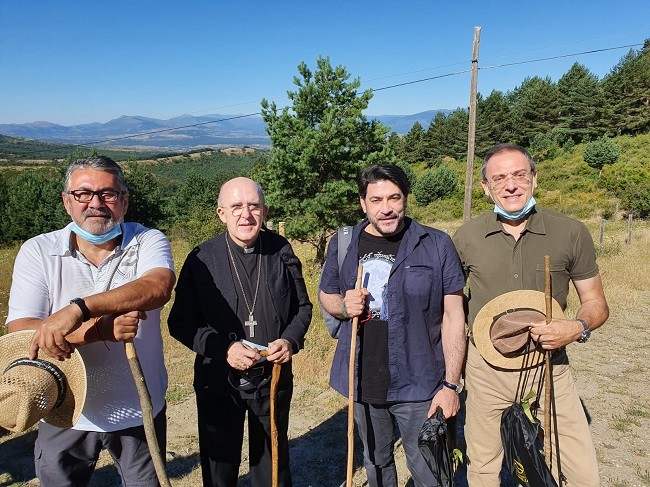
(377, 432)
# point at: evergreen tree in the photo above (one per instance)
(494, 121)
(582, 101)
(436, 183)
(455, 134)
(627, 87)
(33, 205)
(413, 145)
(434, 138)
(318, 147)
(196, 192)
(536, 108)
(145, 198)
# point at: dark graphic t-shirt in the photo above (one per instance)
(377, 255)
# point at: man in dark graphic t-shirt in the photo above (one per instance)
(412, 337)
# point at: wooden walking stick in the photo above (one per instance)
(548, 378)
(275, 377)
(353, 354)
(147, 413)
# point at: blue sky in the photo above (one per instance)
(73, 61)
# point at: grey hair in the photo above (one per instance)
(99, 163)
(498, 149)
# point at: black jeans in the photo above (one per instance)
(221, 434)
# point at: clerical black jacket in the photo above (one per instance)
(204, 314)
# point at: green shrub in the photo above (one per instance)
(629, 181)
(435, 184)
(410, 173)
(601, 152)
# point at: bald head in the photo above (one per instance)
(242, 209)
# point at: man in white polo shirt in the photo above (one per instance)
(87, 287)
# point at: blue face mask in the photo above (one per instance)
(515, 215)
(97, 239)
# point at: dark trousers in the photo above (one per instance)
(221, 434)
(67, 457)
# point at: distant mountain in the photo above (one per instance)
(177, 133)
(403, 123)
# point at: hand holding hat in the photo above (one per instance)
(31, 390)
(501, 329)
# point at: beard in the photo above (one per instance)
(95, 225)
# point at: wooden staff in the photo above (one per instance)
(547, 358)
(147, 413)
(275, 377)
(353, 353)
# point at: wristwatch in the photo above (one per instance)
(586, 332)
(458, 388)
(82, 306)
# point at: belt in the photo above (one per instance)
(257, 370)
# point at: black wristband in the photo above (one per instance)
(85, 312)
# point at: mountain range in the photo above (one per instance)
(183, 132)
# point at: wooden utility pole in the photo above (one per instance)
(471, 133)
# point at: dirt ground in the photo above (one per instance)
(612, 375)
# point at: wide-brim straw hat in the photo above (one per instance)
(31, 390)
(501, 329)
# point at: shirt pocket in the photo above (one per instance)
(559, 279)
(418, 283)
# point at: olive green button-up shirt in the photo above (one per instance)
(495, 263)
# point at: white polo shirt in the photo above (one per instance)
(48, 273)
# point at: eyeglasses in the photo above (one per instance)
(253, 209)
(500, 180)
(105, 195)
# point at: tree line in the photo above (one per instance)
(178, 196)
(542, 115)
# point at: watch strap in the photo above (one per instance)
(586, 331)
(458, 388)
(85, 312)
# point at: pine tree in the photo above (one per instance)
(627, 87)
(318, 147)
(582, 100)
(536, 108)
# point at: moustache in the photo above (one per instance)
(102, 213)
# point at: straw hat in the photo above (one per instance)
(501, 329)
(31, 390)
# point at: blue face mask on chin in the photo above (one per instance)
(515, 215)
(97, 239)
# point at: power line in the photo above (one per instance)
(559, 57)
(422, 80)
(171, 129)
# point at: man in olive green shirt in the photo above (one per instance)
(504, 251)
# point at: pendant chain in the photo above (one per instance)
(259, 274)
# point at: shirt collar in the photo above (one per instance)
(534, 223)
(63, 243)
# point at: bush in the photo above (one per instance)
(544, 146)
(435, 184)
(410, 173)
(601, 152)
(629, 181)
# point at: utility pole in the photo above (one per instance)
(471, 133)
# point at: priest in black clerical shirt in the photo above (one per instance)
(237, 294)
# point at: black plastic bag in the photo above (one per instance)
(436, 443)
(522, 449)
